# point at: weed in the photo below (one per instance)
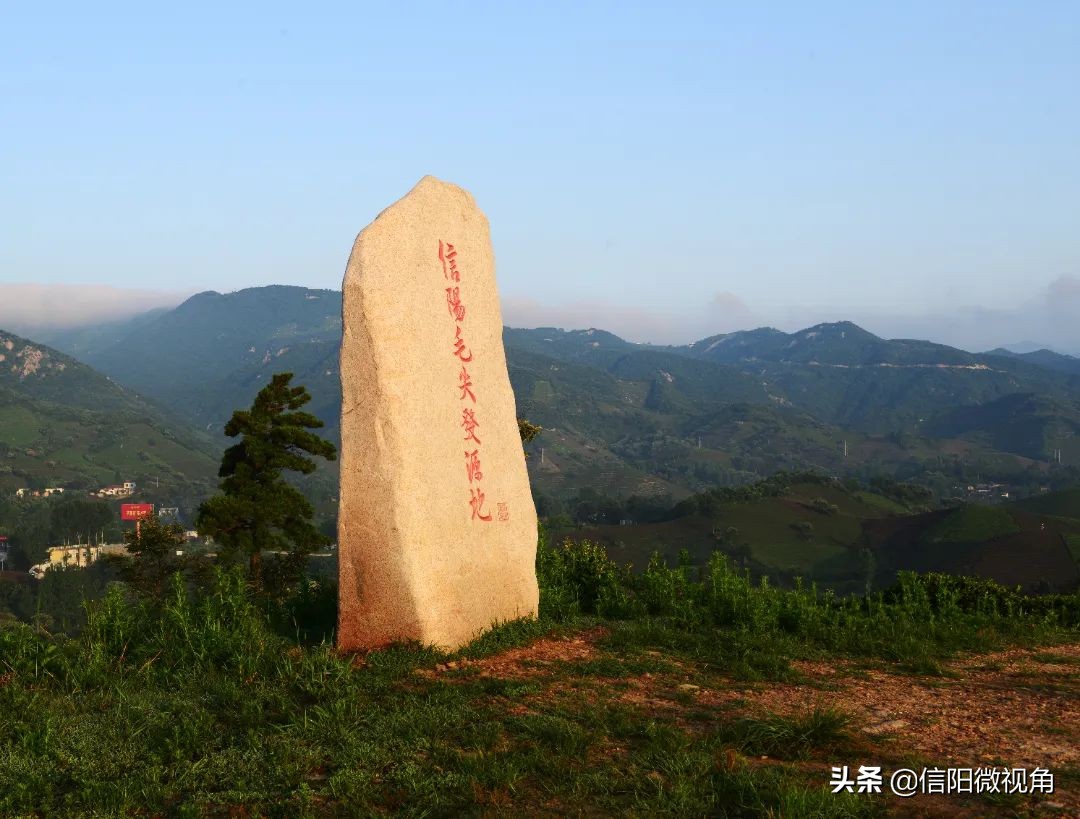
(204, 702)
(789, 737)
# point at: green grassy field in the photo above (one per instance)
(844, 537)
(1073, 542)
(801, 559)
(972, 524)
(1065, 504)
(196, 705)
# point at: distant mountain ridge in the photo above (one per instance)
(839, 372)
(637, 416)
(199, 357)
(841, 343)
(1043, 358)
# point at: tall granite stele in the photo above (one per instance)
(437, 528)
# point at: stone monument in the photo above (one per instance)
(437, 528)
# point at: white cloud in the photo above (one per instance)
(1063, 295)
(54, 306)
(1050, 318)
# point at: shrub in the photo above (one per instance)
(580, 578)
(218, 629)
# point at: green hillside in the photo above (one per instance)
(84, 342)
(842, 343)
(595, 348)
(846, 538)
(787, 526)
(1043, 358)
(41, 373)
(1065, 504)
(62, 424)
(214, 352)
(1025, 423)
(971, 524)
(839, 373)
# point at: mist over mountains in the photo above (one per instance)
(632, 432)
(1044, 318)
(648, 419)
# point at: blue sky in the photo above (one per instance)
(662, 170)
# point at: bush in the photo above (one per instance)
(310, 615)
(921, 617)
(580, 578)
(219, 629)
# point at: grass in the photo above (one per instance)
(1073, 543)
(1064, 503)
(821, 729)
(800, 557)
(880, 502)
(972, 523)
(194, 705)
(846, 538)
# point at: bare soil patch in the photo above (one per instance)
(533, 660)
(1014, 708)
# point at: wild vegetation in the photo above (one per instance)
(169, 684)
(206, 701)
(849, 536)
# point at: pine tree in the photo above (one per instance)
(258, 511)
(154, 545)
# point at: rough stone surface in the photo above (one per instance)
(437, 528)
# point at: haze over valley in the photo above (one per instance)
(630, 430)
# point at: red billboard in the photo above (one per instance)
(136, 511)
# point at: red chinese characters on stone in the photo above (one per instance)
(477, 504)
(472, 466)
(453, 303)
(468, 420)
(455, 306)
(459, 347)
(465, 384)
(448, 257)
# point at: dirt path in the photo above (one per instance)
(1014, 708)
(1019, 707)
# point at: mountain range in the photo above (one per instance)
(631, 418)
